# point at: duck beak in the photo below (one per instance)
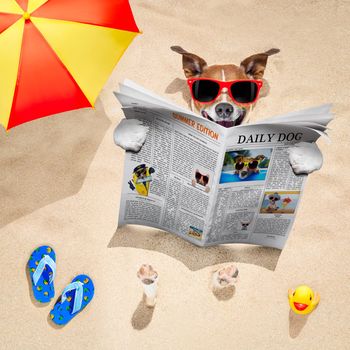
(300, 307)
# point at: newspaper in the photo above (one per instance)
(209, 184)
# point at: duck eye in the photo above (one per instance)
(293, 294)
(310, 297)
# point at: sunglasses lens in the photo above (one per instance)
(205, 90)
(198, 176)
(205, 179)
(253, 164)
(244, 91)
(239, 166)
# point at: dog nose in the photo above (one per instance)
(224, 110)
(244, 173)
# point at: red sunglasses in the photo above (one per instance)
(200, 178)
(242, 92)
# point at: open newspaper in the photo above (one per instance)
(210, 184)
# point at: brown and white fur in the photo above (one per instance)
(304, 157)
(223, 110)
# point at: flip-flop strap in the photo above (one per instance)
(46, 260)
(78, 299)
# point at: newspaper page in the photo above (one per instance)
(209, 184)
(171, 183)
(258, 192)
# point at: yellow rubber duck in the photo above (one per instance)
(303, 300)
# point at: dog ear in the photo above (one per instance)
(192, 64)
(255, 65)
(260, 157)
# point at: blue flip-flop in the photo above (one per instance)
(75, 297)
(42, 271)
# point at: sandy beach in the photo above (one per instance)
(61, 180)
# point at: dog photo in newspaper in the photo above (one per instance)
(245, 165)
(224, 94)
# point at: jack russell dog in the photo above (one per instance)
(223, 94)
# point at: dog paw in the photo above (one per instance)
(305, 158)
(226, 276)
(130, 134)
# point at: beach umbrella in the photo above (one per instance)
(56, 55)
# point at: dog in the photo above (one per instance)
(273, 199)
(244, 225)
(225, 106)
(141, 179)
(201, 179)
(226, 101)
(246, 166)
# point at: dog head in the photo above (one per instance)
(273, 198)
(245, 166)
(223, 110)
(201, 179)
(142, 173)
(245, 224)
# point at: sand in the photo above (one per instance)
(61, 179)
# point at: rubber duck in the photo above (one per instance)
(303, 300)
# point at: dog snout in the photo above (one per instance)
(224, 110)
(244, 173)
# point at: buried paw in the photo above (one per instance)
(305, 158)
(130, 134)
(224, 277)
